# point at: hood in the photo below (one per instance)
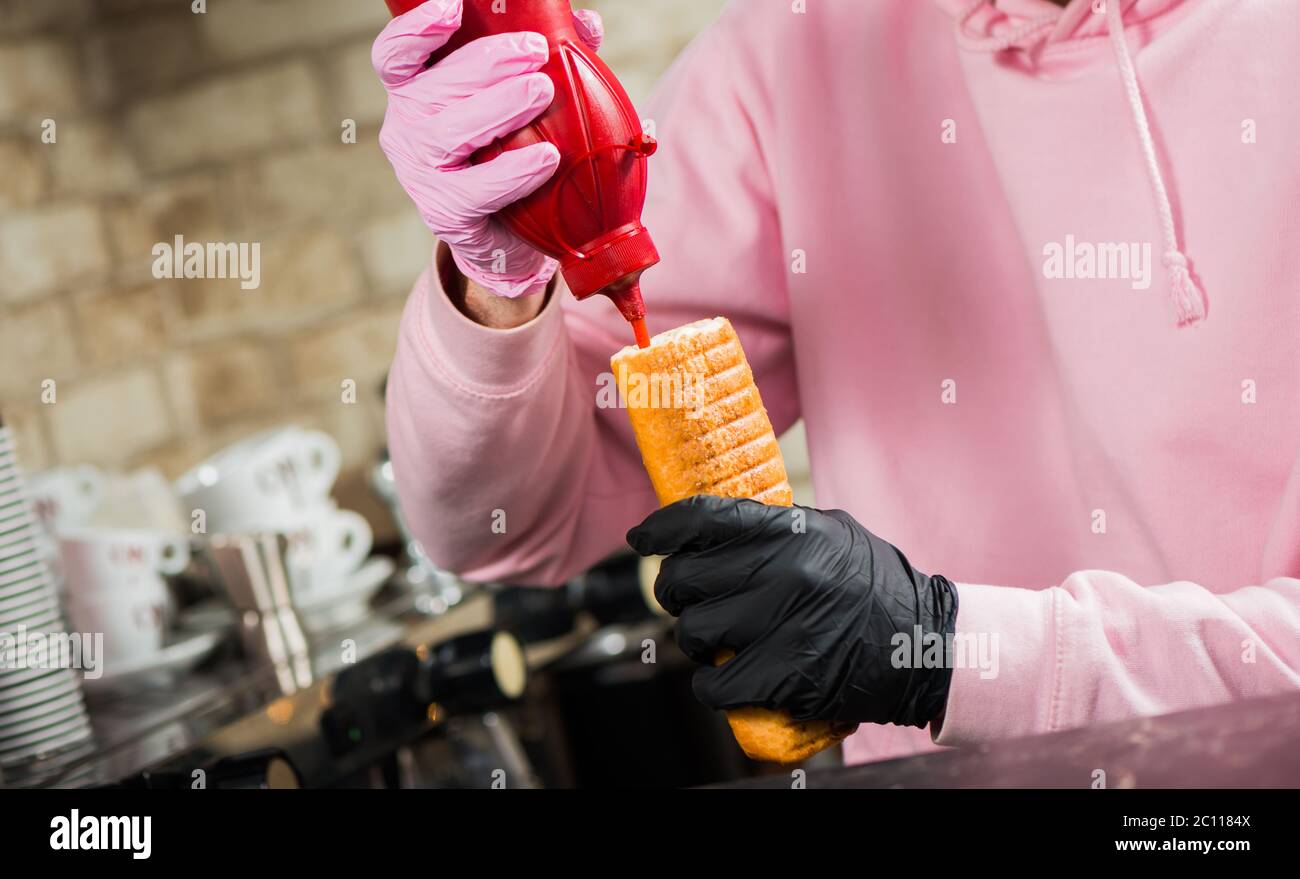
(1042, 36)
(1046, 23)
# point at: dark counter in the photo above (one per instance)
(1248, 744)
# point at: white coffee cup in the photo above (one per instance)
(141, 499)
(114, 585)
(262, 481)
(66, 497)
(102, 560)
(325, 546)
(134, 619)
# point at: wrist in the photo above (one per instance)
(480, 304)
(483, 360)
(930, 697)
(484, 307)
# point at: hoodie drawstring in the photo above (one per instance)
(1188, 299)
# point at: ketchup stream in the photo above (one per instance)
(642, 334)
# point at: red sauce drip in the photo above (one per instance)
(642, 334)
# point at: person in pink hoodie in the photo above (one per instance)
(1028, 272)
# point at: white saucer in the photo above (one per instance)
(352, 603)
(192, 648)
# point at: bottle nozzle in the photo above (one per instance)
(630, 304)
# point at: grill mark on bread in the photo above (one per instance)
(778, 495)
(753, 473)
(746, 455)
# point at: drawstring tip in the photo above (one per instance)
(1189, 301)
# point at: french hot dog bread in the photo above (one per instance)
(702, 429)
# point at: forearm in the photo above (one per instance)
(1101, 647)
(501, 469)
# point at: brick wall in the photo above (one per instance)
(222, 126)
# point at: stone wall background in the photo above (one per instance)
(222, 126)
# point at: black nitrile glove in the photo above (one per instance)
(810, 601)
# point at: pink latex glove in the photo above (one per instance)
(437, 118)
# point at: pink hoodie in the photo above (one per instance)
(895, 203)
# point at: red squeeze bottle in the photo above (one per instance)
(588, 215)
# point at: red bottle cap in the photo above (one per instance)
(622, 258)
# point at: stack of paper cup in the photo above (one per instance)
(41, 707)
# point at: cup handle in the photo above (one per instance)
(354, 538)
(323, 462)
(173, 556)
(90, 484)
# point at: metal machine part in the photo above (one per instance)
(435, 591)
(265, 769)
(395, 694)
(251, 570)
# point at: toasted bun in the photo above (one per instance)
(698, 418)
(702, 429)
(776, 737)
